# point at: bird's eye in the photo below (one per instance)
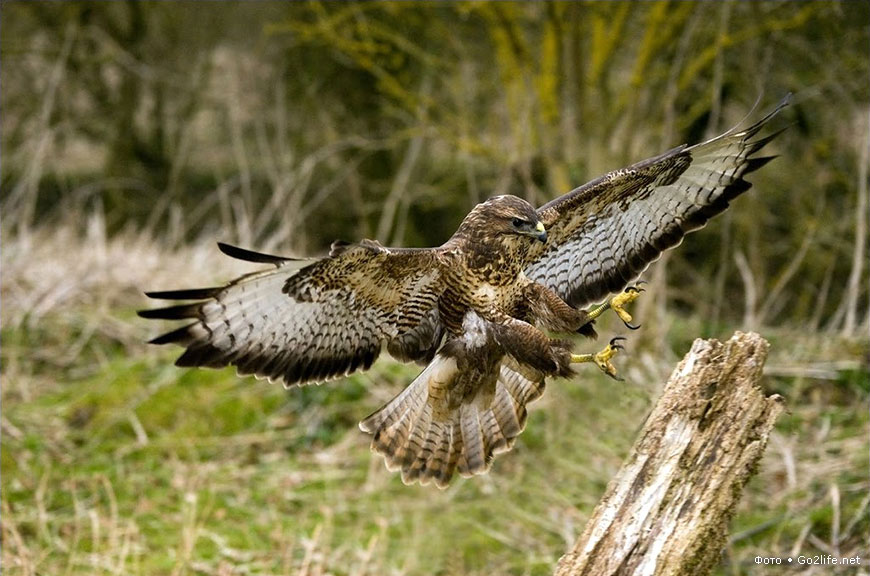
(518, 222)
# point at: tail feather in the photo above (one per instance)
(504, 409)
(420, 466)
(456, 448)
(420, 433)
(442, 464)
(473, 459)
(389, 441)
(496, 442)
(522, 389)
(398, 408)
(392, 425)
(412, 447)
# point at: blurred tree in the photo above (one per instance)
(289, 125)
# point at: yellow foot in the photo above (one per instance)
(618, 303)
(602, 359)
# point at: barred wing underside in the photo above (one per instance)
(605, 233)
(310, 321)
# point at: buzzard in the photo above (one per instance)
(475, 311)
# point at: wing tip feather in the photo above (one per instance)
(186, 294)
(177, 336)
(250, 255)
(179, 312)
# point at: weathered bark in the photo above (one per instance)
(667, 510)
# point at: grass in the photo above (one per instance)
(116, 462)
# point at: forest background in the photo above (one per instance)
(136, 134)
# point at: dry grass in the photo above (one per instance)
(115, 462)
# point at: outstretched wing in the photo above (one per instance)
(310, 321)
(605, 233)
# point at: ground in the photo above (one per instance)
(116, 462)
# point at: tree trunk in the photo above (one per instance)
(667, 510)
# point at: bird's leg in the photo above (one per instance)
(602, 359)
(618, 303)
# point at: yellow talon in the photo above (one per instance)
(618, 303)
(602, 359)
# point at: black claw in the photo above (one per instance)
(615, 377)
(631, 326)
(614, 343)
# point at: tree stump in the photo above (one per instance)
(667, 510)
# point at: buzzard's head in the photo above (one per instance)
(505, 220)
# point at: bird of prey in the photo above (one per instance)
(476, 311)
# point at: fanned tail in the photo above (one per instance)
(429, 436)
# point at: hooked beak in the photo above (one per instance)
(541, 232)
